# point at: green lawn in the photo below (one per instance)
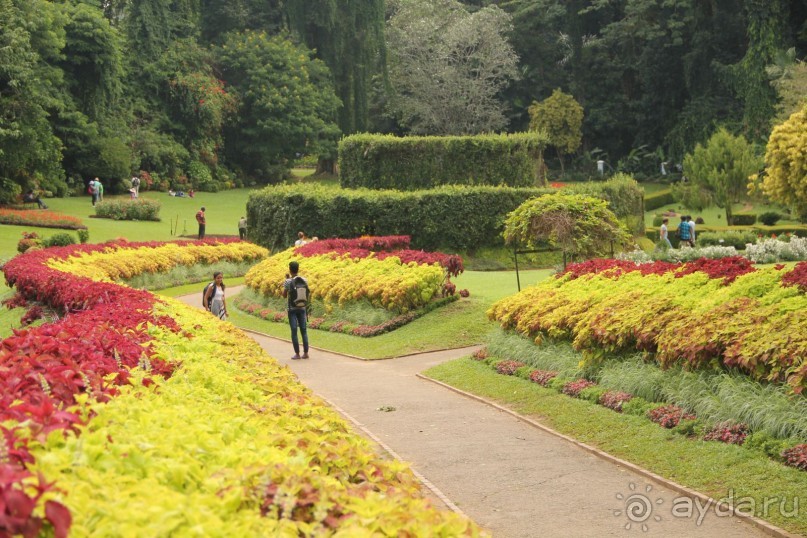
(714, 216)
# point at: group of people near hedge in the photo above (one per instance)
(295, 290)
(685, 232)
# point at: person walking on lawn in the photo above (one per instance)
(295, 288)
(684, 233)
(200, 218)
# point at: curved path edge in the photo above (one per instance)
(761, 524)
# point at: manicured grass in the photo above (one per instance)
(710, 467)
(492, 286)
(459, 324)
(713, 216)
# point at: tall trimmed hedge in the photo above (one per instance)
(449, 218)
(658, 199)
(452, 217)
(423, 162)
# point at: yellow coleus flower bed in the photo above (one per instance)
(337, 279)
(120, 262)
(229, 445)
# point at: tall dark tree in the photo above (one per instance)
(767, 35)
(348, 35)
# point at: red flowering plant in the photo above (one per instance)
(796, 457)
(796, 277)
(614, 399)
(668, 416)
(41, 218)
(728, 268)
(733, 434)
(574, 388)
(542, 377)
(508, 367)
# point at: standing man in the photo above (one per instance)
(683, 232)
(135, 186)
(691, 231)
(100, 190)
(296, 289)
(664, 234)
(242, 228)
(200, 218)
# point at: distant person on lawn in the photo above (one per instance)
(302, 239)
(691, 223)
(135, 186)
(295, 288)
(95, 189)
(30, 198)
(664, 233)
(200, 218)
(684, 232)
(242, 228)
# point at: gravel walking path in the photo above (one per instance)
(510, 477)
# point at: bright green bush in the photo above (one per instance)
(423, 162)
(658, 199)
(737, 239)
(744, 219)
(769, 218)
(132, 209)
(59, 240)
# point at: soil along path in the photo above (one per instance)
(510, 477)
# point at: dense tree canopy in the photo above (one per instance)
(447, 66)
(720, 170)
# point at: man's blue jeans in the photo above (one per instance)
(297, 319)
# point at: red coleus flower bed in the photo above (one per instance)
(728, 268)
(668, 416)
(91, 349)
(615, 268)
(733, 434)
(508, 367)
(380, 243)
(40, 218)
(614, 399)
(796, 457)
(796, 277)
(542, 377)
(382, 247)
(574, 388)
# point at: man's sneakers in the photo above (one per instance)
(305, 355)
(295, 357)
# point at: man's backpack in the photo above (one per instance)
(299, 294)
(204, 294)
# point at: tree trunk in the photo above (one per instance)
(729, 216)
(560, 158)
(326, 166)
